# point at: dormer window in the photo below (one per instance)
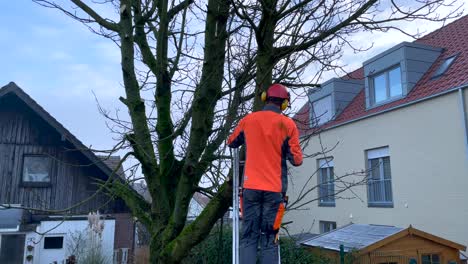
(331, 98)
(392, 74)
(322, 111)
(387, 85)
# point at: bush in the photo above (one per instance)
(293, 253)
(85, 247)
(217, 249)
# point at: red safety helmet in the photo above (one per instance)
(279, 91)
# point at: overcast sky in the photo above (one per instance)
(60, 63)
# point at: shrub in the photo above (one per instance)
(86, 246)
(293, 253)
(217, 249)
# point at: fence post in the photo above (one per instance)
(342, 254)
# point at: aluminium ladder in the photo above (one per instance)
(235, 210)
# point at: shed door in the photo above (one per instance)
(12, 249)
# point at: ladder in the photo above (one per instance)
(235, 210)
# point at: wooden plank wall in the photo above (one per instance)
(23, 132)
(399, 251)
(413, 246)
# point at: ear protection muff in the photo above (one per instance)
(285, 104)
(263, 96)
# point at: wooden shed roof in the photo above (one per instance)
(366, 238)
(352, 237)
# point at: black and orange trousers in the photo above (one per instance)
(262, 212)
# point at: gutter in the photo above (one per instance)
(462, 104)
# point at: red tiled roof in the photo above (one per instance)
(452, 38)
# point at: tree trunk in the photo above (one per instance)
(265, 60)
(154, 249)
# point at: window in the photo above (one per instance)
(327, 226)
(387, 85)
(379, 180)
(326, 182)
(430, 259)
(36, 170)
(322, 111)
(444, 66)
(53, 242)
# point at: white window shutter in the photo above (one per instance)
(326, 163)
(378, 153)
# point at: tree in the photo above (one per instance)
(188, 67)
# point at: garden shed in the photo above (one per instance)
(380, 244)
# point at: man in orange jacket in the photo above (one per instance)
(270, 138)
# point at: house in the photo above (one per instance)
(396, 131)
(368, 244)
(44, 169)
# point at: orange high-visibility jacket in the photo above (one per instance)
(271, 138)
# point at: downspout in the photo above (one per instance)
(462, 102)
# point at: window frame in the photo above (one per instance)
(441, 260)
(28, 184)
(372, 86)
(438, 75)
(379, 153)
(54, 236)
(322, 225)
(329, 162)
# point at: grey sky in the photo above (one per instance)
(60, 63)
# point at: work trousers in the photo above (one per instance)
(262, 212)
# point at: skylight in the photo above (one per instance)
(444, 66)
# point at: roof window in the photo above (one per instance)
(444, 66)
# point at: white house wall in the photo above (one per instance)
(465, 94)
(429, 171)
(66, 228)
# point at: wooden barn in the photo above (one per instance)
(49, 178)
(379, 244)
